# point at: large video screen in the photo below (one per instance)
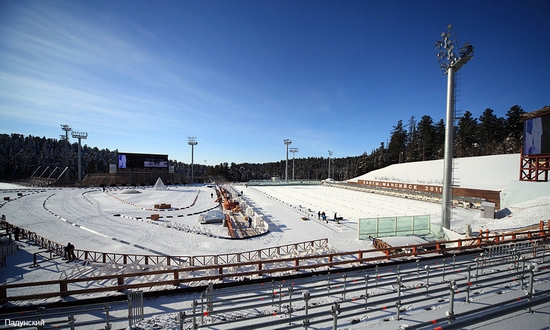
(129, 160)
(536, 136)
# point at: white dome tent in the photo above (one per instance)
(159, 185)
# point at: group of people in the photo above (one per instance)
(322, 216)
(69, 252)
(16, 233)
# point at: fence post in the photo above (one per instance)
(328, 282)
(71, 321)
(209, 297)
(522, 277)
(106, 308)
(181, 318)
(280, 296)
(398, 302)
(345, 282)
(306, 296)
(194, 306)
(427, 267)
(202, 308)
(63, 288)
(366, 289)
(39, 311)
(451, 313)
(468, 284)
(477, 267)
(290, 289)
(272, 292)
(335, 312)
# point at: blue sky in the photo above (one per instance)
(242, 76)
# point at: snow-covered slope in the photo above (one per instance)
(486, 172)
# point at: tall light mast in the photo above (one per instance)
(450, 61)
(293, 150)
(67, 129)
(79, 136)
(287, 142)
(329, 154)
(192, 141)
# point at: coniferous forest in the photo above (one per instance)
(418, 139)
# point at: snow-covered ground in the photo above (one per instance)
(116, 220)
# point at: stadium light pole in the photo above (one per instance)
(450, 61)
(293, 150)
(329, 154)
(79, 136)
(287, 142)
(67, 129)
(192, 141)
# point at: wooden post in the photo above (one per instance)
(63, 288)
(176, 278)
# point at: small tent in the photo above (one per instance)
(159, 185)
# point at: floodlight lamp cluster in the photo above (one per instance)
(287, 141)
(79, 135)
(192, 141)
(446, 53)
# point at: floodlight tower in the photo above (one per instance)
(67, 129)
(293, 150)
(287, 142)
(450, 61)
(192, 141)
(329, 154)
(79, 136)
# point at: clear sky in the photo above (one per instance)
(242, 76)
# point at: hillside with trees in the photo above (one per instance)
(416, 140)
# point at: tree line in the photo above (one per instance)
(417, 140)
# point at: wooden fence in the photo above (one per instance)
(277, 261)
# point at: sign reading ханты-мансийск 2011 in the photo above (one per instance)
(400, 185)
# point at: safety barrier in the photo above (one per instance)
(193, 271)
(389, 294)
